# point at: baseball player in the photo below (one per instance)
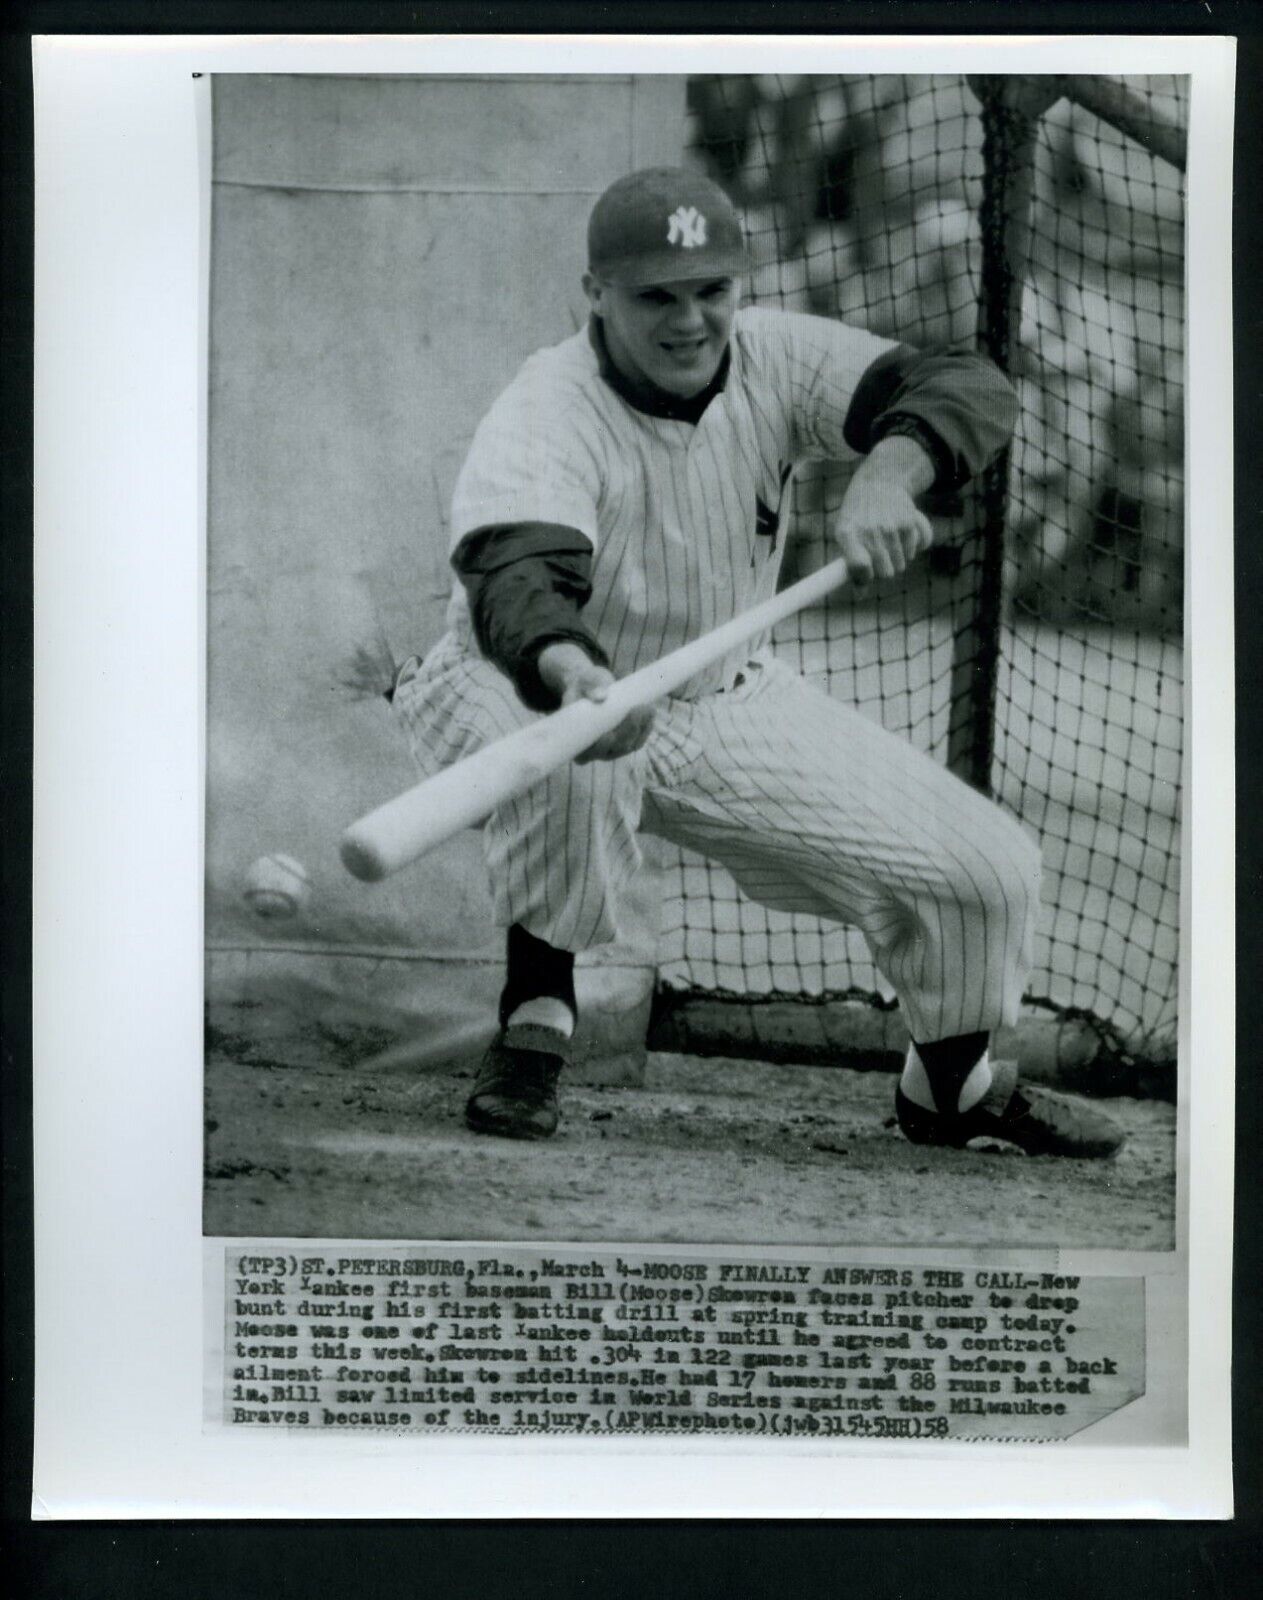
(627, 493)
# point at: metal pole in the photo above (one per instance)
(1008, 147)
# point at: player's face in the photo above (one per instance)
(673, 334)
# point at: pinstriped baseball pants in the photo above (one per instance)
(810, 805)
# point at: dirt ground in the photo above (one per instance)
(708, 1151)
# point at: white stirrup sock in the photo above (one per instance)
(545, 1011)
(915, 1083)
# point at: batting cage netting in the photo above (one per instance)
(1039, 650)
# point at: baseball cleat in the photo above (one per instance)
(1030, 1120)
(515, 1093)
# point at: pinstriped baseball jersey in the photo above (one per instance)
(684, 519)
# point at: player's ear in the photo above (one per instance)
(593, 287)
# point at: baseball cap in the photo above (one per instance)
(662, 224)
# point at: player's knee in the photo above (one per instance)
(1005, 882)
(1018, 870)
(1028, 863)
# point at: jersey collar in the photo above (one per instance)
(647, 397)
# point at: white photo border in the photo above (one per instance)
(122, 185)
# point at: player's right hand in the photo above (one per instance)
(879, 531)
(569, 672)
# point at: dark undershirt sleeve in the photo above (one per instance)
(527, 583)
(958, 406)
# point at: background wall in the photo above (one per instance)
(385, 252)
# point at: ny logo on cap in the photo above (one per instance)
(686, 227)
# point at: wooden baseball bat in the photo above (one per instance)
(415, 822)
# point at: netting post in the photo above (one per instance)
(1008, 149)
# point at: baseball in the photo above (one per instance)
(276, 887)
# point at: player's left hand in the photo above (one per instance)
(879, 530)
